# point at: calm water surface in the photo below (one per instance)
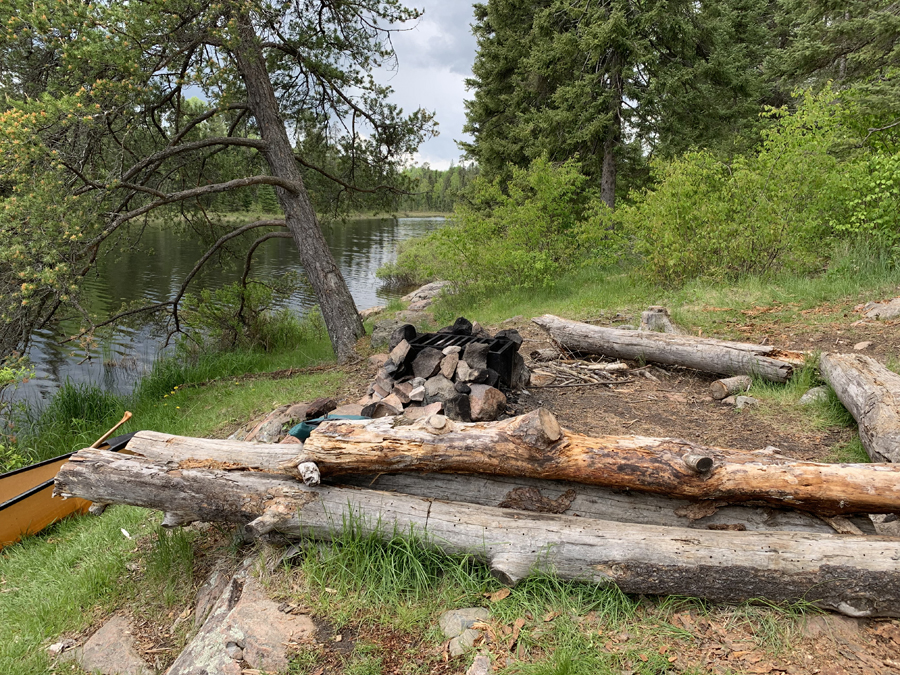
(359, 247)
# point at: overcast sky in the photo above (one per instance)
(435, 57)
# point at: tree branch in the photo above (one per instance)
(348, 186)
(175, 197)
(206, 256)
(252, 249)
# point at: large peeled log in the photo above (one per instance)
(525, 446)
(627, 506)
(857, 575)
(871, 393)
(706, 354)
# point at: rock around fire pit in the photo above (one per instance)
(459, 370)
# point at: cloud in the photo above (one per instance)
(435, 56)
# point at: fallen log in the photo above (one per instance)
(856, 575)
(588, 501)
(706, 354)
(599, 503)
(871, 393)
(534, 445)
(729, 386)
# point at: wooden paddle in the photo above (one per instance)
(99, 441)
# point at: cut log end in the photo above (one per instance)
(698, 463)
(729, 386)
(309, 473)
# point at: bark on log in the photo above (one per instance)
(589, 501)
(534, 446)
(871, 393)
(706, 354)
(729, 386)
(527, 446)
(232, 454)
(852, 574)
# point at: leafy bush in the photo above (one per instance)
(521, 235)
(873, 184)
(415, 264)
(767, 212)
(237, 316)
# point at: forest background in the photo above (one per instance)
(721, 154)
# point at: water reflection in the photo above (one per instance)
(154, 273)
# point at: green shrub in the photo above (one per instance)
(237, 316)
(772, 211)
(521, 235)
(416, 264)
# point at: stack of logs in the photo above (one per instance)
(651, 515)
(456, 380)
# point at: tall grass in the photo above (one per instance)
(78, 414)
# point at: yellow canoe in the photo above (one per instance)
(26, 502)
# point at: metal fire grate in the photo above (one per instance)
(499, 358)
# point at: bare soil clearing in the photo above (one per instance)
(678, 405)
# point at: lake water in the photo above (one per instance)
(154, 274)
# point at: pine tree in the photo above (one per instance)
(610, 81)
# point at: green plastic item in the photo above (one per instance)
(304, 429)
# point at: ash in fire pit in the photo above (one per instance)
(453, 371)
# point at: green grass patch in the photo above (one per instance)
(72, 574)
(858, 272)
(63, 581)
(169, 399)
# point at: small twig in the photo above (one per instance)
(582, 384)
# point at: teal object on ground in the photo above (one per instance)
(304, 429)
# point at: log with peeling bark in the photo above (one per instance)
(706, 354)
(534, 445)
(599, 503)
(871, 393)
(857, 575)
(546, 496)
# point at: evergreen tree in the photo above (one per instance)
(609, 81)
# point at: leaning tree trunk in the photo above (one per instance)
(857, 575)
(529, 494)
(871, 393)
(338, 309)
(707, 354)
(613, 132)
